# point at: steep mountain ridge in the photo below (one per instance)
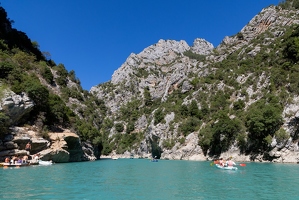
(202, 73)
(171, 100)
(160, 67)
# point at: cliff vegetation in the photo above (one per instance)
(172, 100)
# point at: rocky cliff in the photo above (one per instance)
(172, 100)
(60, 146)
(42, 103)
(170, 68)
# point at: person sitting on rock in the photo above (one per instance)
(28, 146)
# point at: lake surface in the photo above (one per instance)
(142, 179)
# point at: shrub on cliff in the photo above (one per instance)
(4, 124)
(195, 56)
(263, 120)
(5, 69)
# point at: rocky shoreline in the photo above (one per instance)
(193, 152)
(59, 147)
(66, 146)
(291, 158)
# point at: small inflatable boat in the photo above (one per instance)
(227, 168)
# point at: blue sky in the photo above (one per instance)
(94, 37)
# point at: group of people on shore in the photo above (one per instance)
(16, 159)
(225, 163)
(22, 159)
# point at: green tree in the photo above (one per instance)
(119, 127)
(239, 105)
(190, 125)
(193, 110)
(147, 97)
(130, 127)
(262, 121)
(158, 116)
(4, 124)
(183, 109)
(195, 56)
(56, 109)
(225, 132)
(205, 138)
(47, 74)
(291, 45)
(5, 69)
(37, 92)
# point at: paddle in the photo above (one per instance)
(242, 164)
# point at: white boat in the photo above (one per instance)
(41, 162)
(227, 168)
(14, 164)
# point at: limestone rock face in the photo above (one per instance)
(89, 152)
(56, 155)
(75, 148)
(161, 67)
(162, 53)
(186, 86)
(15, 106)
(12, 152)
(190, 150)
(65, 147)
(10, 145)
(70, 142)
(59, 147)
(169, 66)
(202, 47)
(37, 144)
(270, 18)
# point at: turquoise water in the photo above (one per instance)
(142, 179)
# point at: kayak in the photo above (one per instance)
(227, 168)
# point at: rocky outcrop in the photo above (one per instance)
(57, 155)
(66, 147)
(189, 151)
(160, 67)
(202, 47)
(272, 19)
(59, 147)
(15, 106)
